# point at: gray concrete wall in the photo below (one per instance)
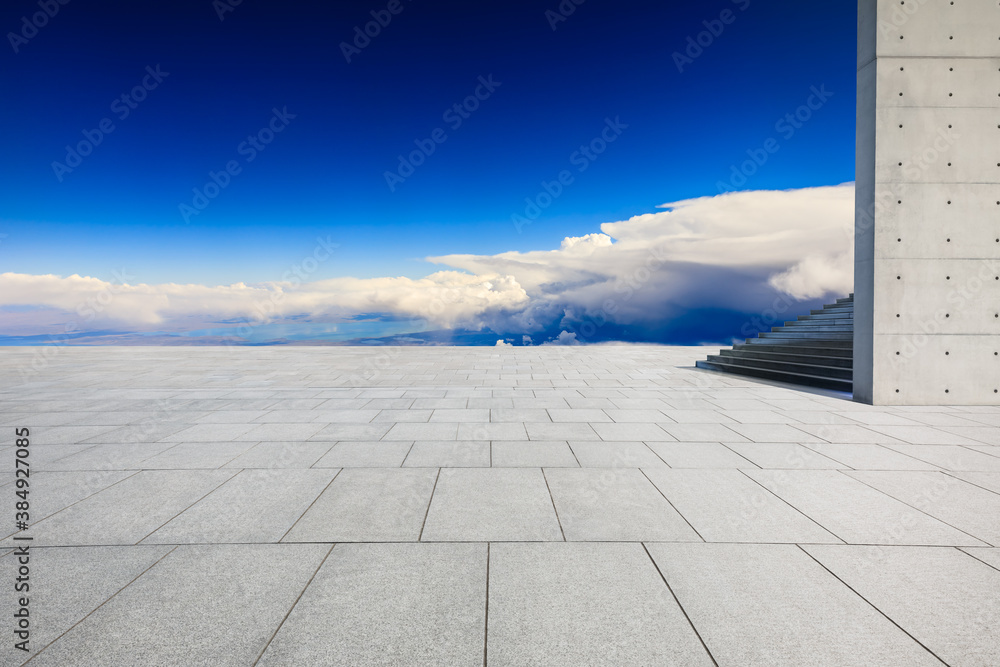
(927, 262)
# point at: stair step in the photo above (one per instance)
(815, 350)
(823, 317)
(783, 357)
(785, 367)
(807, 342)
(805, 335)
(794, 326)
(805, 320)
(791, 378)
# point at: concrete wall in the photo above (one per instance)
(927, 261)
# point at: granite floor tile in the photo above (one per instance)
(774, 605)
(365, 455)
(387, 604)
(702, 432)
(50, 492)
(846, 433)
(727, 506)
(856, 513)
(967, 507)
(584, 604)
(500, 415)
(352, 432)
(368, 505)
(449, 454)
(67, 585)
(606, 505)
(224, 604)
(191, 455)
(533, 454)
(773, 433)
(492, 431)
(985, 480)
(255, 506)
(784, 456)
(128, 511)
(944, 599)
(951, 457)
(279, 432)
(394, 416)
(615, 455)
(541, 431)
(208, 433)
(491, 504)
(632, 431)
(869, 457)
(282, 455)
(699, 455)
(431, 431)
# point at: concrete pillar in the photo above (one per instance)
(927, 223)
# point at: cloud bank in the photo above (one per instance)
(698, 265)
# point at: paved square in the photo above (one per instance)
(606, 505)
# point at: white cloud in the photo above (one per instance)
(564, 338)
(730, 252)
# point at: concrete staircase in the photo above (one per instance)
(815, 350)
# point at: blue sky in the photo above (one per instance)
(208, 84)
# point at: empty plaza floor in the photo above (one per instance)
(602, 505)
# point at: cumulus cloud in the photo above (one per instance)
(564, 338)
(447, 298)
(640, 278)
(733, 252)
